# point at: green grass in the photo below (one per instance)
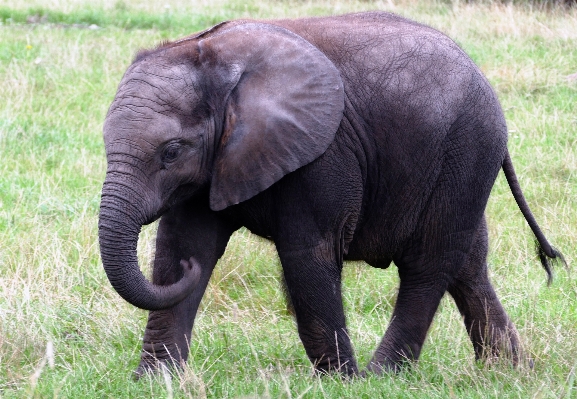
(57, 80)
(118, 17)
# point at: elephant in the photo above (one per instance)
(364, 136)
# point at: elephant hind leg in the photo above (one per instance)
(490, 329)
(417, 302)
(432, 259)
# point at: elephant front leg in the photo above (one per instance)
(167, 336)
(189, 230)
(313, 279)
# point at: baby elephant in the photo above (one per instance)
(356, 137)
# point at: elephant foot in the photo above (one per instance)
(387, 367)
(144, 370)
(153, 367)
(346, 370)
(160, 350)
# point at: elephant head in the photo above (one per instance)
(226, 114)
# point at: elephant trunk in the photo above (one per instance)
(119, 225)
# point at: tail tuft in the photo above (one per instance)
(546, 257)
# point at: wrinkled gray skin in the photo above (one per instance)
(360, 137)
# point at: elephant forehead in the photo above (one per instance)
(157, 85)
(130, 127)
(150, 100)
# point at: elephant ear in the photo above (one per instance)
(285, 103)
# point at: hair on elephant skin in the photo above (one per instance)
(356, 137)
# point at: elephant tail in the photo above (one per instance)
(545, 251)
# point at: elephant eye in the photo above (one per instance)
(171, 152)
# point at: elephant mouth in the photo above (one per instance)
(179, 195)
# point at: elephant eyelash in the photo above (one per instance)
(171, 152)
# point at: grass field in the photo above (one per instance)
(64, 332)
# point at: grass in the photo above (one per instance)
(65, 333)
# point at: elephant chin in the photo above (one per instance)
(118, 228)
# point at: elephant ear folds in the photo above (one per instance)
(282, 112)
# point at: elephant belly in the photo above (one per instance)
(376, 248)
